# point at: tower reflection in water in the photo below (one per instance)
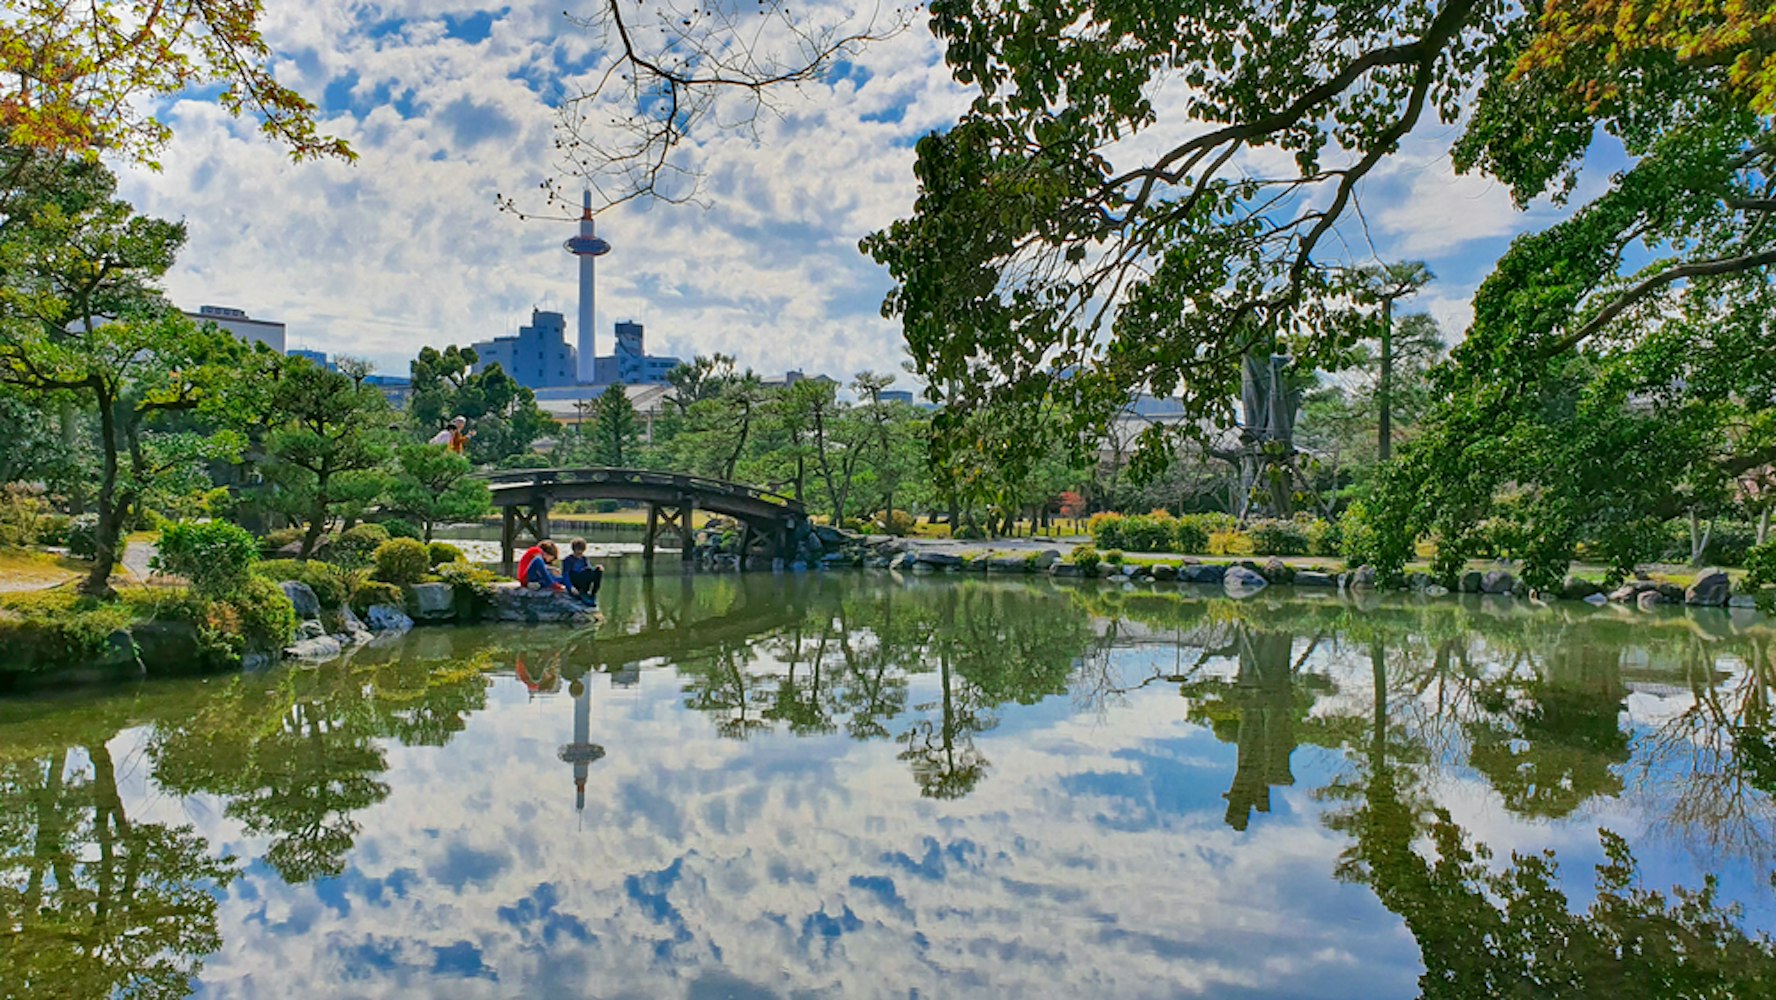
(582, 752)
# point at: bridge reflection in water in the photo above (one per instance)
(770, 523)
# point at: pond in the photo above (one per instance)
(862, 786)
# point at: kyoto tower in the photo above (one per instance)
(588, 248)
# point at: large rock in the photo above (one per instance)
(1649, 599)
(1277, 571)
(431, 602)
(1164, 571)
(351, 628)
(1240, 580)
(1497, 582)
(903, 561)
(309, 628)
(1047, 558)
(1008, 564)
(302, 597)
(1314, 578)
(1362, 578)
(1211, 575)
(1065, 569)
(1577, 588)
(940, 560)
(387, 618)
(512, 603)
(1711, 589)
(323, 647)
(1471, 582)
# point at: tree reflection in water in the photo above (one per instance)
(1410, 697)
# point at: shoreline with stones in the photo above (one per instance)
(829, 548)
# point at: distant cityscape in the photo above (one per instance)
(564, 376)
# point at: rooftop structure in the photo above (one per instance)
(244, 327)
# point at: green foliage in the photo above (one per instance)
(1106, 529)
(439, 553)
(468, 583)
(82, 538)
(327, 446)
(1189, 535)
(59, 628)
(616, 431)
(898, 523)
(402, 561)
(356, 547)
(1760, 566)
(400, 527)
(331, 584)
(1113, 557)
(372, 592)
(22, 516)
(1086, 558)
(52, 529)
(1229, 542)
(267, 619)
(433, 485)
(281, 538)
(1273, 537)
(216, 557)
(503, 415)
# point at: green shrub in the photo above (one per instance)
(896, 522)
(1086, 558)
(439, 553)
(1113, 557)
(83, 538)
(1189, 535)
(1760, 565)
(356, 548)
(402, 561)
(216, 557)
(1105, 529)
(372, 592)
(400, 527)
(275, 542)
(267, 618)
(1147, 533)
(22, 512)
(52, 529)
(331, 584)
(1323, 538)
(58, 628)
(1229, 542)
(1271, 537)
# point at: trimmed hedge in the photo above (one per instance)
(402, 561)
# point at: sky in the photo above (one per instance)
(449, 105)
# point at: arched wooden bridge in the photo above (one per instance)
(525, 496)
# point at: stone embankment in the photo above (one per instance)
(824, 547)
(322, 634)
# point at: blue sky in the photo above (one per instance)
(448, 105)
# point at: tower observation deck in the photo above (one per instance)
(588, 247)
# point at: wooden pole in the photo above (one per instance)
(647, 543)
(508, 528)
(687, 506)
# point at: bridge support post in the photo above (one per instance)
(647, 543)
(508, 535)
(686, 541)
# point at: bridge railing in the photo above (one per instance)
(515, 479)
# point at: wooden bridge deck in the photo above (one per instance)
(525, 496)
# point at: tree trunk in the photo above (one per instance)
(317, 523)
(1699, 533)
(1763, 528)
(1384, 442)
(98, 582)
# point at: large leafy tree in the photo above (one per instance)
(616, 431)
(83, 77)
(504, 413)
(1593, 398)
(81, 317)
(433, 485)
(328, 445)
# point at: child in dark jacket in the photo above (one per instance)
(582, 577)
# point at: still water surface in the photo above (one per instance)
(861, 786)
